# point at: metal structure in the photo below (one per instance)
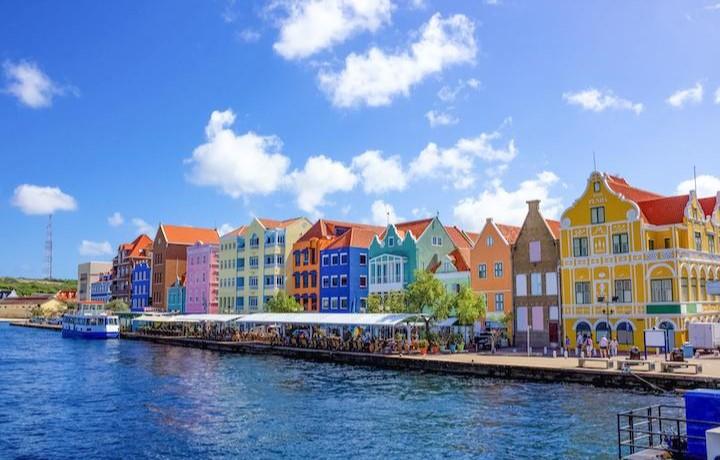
(662, 427)
(48, 249)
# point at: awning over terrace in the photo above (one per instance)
(332, 319)
(192, 318)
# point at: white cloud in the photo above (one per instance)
(598, 101)
(314, 25)
(450, 93)
(225, 229)
(116, 219)
(381, 213)
(143, 227)
(420, 213)
(706, 186)
(238, 165)
(248, 35)
(717, 96)
(320, 176)
(455, 164)
(376, 77)
(35, 199)
(418, 4)
(379, 174)
(437, 118)
(686, 96)
(30, 85)
(95, 248)
(508, 206)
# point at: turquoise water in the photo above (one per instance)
(63, 398)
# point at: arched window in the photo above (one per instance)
(583, 329)
(625, 333)
(602, 330)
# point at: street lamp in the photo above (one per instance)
(607, 311)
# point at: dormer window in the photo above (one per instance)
(391, 241)
(596, 186)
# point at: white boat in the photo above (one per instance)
(90, 323)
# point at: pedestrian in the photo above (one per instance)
(567, 344)
(603, 347)
(614, 347)
(589, 346)
(579, 344)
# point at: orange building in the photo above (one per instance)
(304, 284)
(491, 268)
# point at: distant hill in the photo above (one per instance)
(28, 286)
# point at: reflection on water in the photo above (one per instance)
(68, 398)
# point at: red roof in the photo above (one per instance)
(461, 259)
(176, 234)
(272, 223)
(708, 204)
(139, 247)
(621, 186)
(356, 237)
(554, 226)
(510, 232)
(458, 237)
(664, 211)
(416, 227)
(332, 228)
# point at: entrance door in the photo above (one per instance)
(553, 332)
(668, 326)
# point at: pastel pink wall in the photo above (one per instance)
(201, 281)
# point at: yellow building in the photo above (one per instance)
(227, 259)
(262, 265)
(633, 260)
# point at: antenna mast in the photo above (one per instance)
(695, 178)
(48, 249)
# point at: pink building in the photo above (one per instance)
(201, 280)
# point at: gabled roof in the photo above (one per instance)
(273, 223)
(459, 238)
(664, 211)
(356, 237)
(554, 227)
(510, 232)
(139, 247)
(708, 205)
(176, 234)
(329, 229)
(461, 259)
(237, 232)
(416, 227)
(621, 186)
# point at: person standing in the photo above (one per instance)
(579, 344)
(614, 347)
(589, 346)
(567, 345)
(603, 347)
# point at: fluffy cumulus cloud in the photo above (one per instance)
(706, 185)
(143, 227)
(238, 165)
(313, 25)
(226, 228)
(379, 174)
(320, 177)
(456, 164)
(381, 213)
(95, 248)
(683, 97)
(376, 77)
(438, 118)
(116, 219)
(508, 206)
(36, 199)
(599, 101)
(30, 85)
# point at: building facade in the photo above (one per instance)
(262, 254)
(536, 276)
(491, 263)
(404, 248)
(633, 260)
(176, 296)
(128, 255)
(343, 278)
(141, 287)
(201, 279)
(88, 273)
(227, 259)
(169, 257)
(100, 290)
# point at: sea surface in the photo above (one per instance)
(66, 398)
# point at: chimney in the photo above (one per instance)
(489, 220)
(533, 206)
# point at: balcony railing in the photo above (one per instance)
(680, 253)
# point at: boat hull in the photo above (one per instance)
(90, 335)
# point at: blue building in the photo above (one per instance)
(344, 272)
(140, 295)
(176, 296)
(100, 289)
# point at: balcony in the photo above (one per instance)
(681, 254)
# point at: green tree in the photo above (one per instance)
(469, 307)
(424, 294)
(374, 304)
(395, 303)
(117, 306)
(283, 303)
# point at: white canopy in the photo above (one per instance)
(192, 318)
(331, 319)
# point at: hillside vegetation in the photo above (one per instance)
(27, 286)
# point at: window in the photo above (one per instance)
(253, 282)
(596, 186)
(522, 319)
(711, 243)
(254, 243)
(363, 304)
(325, 282)
(343, 303)
(684, 292)
(253, 301)
(499, 302)
(306, 257)
(482, 271)
(343, 258)
(437, 241)
(651, 245)
(334, 303)
(498, 269)
(363, 259)
(521, 284)
(667, 243)
(534, 251)
(334, 281)
(325, 260)
(620, 243)
(551, 284)
(343, 280)
(325, 303)
(313, 279)
(305, 280)
(582, 292)
(580, 247)
(489, 241)
(698, 241)
(597, 215)
(391, 241)
(253, 262)
(625, 333)
(363, 281)
(623, 291)
(334, 259)
(297, 258)
(661, 290)
(536, 283)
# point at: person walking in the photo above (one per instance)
(589, 346)
(603, 347)
(579, 344)
(567, 345)
(614, 347)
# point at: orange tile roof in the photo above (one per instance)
(458, 237)
(621, 186)
(474, 237)
(140, 246)
(356, 237)
(461, 259)
(324, 228)
(416, 227)
(176, 234)
(554, 226)
(664, 211)
(273, 223)
(510, 232)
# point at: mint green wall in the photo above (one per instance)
(405, 249)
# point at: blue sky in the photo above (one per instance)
(343, 108)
